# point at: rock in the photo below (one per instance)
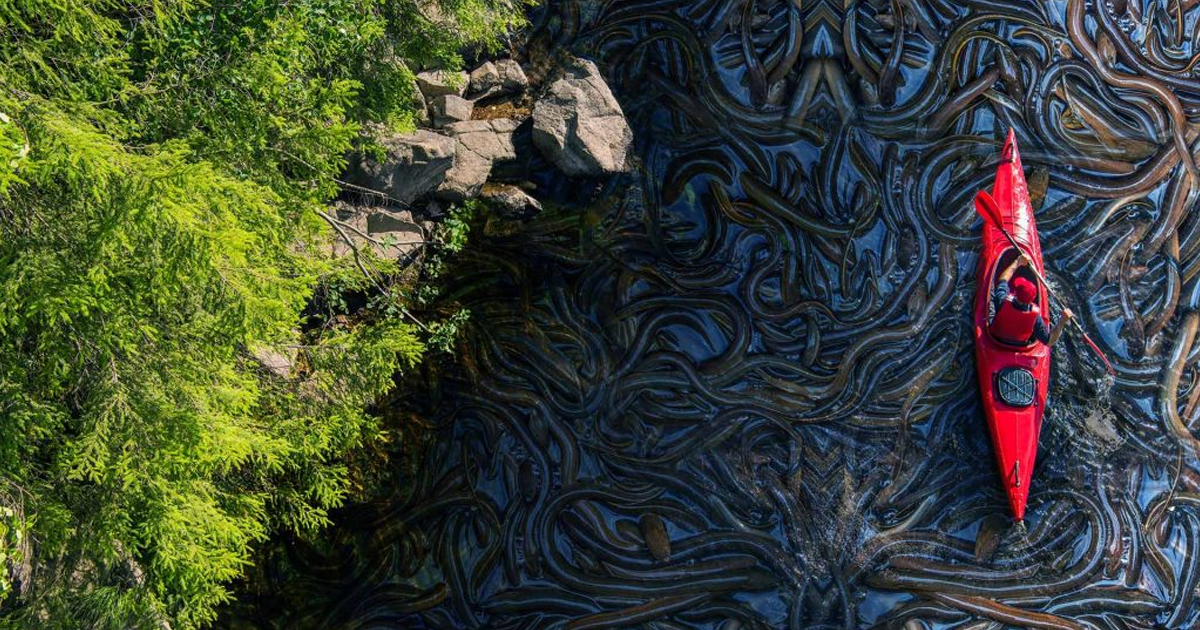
(449, 108)
(579, 124)
(484, 78)
(491, 139)
(274, 361)
(391, 233)
(434, 210)
(386, 222)
(415, 165)
(432, 10)
(422, 107)
(435, 83)
(498, 77)
(278, 357)
(510, 201)
(479, 144)
(394, 232)
(512, 76)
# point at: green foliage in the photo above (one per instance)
(449, 238)
(454, 230)
(162, 169)
(444, 332)
(14, 546)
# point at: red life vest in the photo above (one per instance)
(1013, 325)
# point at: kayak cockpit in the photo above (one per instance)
(1003, 261)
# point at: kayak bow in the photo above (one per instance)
(1013, 380)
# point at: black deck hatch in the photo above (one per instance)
(1015, 386)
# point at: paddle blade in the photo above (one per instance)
(987, 208)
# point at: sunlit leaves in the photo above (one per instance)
(162, 165)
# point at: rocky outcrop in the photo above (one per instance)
(435, 83)
(579, 126)
(495, 78)
(389, 232)
(422, 107)
(394, 231)
(478, 148)
(448, 109)
(510, 201)
(414, 165)
(480, 143)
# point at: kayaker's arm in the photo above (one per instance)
(1067, 314)
(1008, 272)
(1001, 290)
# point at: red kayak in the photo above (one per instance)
(1012, 379)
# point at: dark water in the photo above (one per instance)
(737, 389)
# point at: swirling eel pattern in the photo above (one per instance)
(735, 388)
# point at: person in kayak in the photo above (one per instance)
(1013, 316)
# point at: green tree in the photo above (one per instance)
(164, 173)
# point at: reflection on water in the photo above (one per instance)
(736, 391)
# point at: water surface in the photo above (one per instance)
(735, 389)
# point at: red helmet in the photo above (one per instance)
(1023, 290)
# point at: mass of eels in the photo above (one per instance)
(734, 388)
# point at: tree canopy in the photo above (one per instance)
(167, 166)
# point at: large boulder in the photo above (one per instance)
(578, 124)
(448, 109)
(435, 83)
(509, 201)
(480, 143)
(413, 165)
(504, 76)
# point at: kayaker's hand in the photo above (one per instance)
(1068, 313)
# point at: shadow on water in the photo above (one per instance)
(737, 390)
